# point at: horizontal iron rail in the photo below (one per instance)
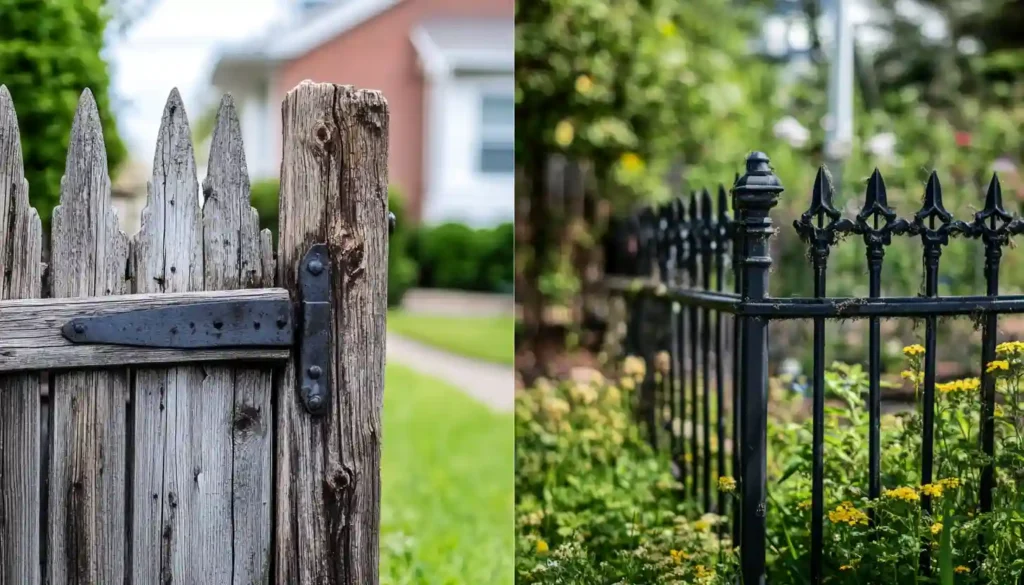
(827, 307)
(33, 331)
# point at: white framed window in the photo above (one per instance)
(496, 153)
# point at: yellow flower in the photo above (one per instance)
(804, 505)
(910, 375)
(703, 572)
(964, 385)
(584, 84)
(905, 493)
(564, 133)
(542, 547)
(634, 366)
(937, 528)
(678, 556)
(912, 350)
(847, 513)
(846, 568)
(726, 485)
(932, 489)
(1011, 347)
(627, 383)
(961, 569)
(631, 162)
(997, 365)
(950, 482)
(701, 525)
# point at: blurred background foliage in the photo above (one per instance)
(656, 98)
(49, 52)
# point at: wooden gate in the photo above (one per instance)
(182, 406)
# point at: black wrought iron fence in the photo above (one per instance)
(695, 275)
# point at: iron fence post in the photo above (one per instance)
(756, 193)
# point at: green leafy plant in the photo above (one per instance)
(577, 447)
(49, 53)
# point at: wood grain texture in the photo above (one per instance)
(20, 278)
(30, 337)
(235, 255)
(334, 189)
(87, 484)
(176, 535)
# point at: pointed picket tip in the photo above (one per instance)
(723, 201)
(694, 212)
(933, 191)
(994, 194)
(9, 131)
(822, 192)
(227, 155)
(876, 191)
(707, 213)
(87, 144)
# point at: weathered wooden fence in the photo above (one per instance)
(214, 410)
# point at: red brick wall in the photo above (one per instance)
(378, 54)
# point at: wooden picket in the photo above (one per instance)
(162, 462)
(21, 237)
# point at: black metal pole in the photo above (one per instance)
(756, 192)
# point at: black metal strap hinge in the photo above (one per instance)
(315, 349)
(236, 324)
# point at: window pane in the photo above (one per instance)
(497, 158)
(498, 110)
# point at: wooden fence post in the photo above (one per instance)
(334, 183)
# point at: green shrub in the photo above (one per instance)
(594, 503)
(456, 256)
(401, 268)
(49, 53)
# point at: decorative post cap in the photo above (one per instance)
(758, 188)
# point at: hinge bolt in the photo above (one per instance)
(315, 267)
(314, 372)
(315, 402)
(79, 328)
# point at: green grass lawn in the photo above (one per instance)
(490, 338)
(447, 473)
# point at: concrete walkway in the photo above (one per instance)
(492, 384)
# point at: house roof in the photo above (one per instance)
(288, 42)
(465, 44)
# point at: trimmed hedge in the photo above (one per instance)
(456, 256)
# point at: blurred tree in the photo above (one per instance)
(967, 48)
(633, 88)
(49, 53)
